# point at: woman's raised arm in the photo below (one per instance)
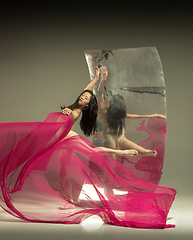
(91, 85)
(104, 73)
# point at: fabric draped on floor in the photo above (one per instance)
(39, 167)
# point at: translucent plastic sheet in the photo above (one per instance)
(137, 75)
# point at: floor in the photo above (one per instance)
(181, 214)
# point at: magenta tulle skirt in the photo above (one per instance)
(41, 171)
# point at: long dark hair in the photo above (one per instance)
(89, 114)
(116, 114)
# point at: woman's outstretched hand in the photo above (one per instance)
(66, 111)
(104, 72)
(91, 85)
(96, 71)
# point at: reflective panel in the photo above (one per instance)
(132, 107)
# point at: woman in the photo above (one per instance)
(112, 116)
(86, 103)
(38, 160)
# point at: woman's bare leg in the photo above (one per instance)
(66, 184)
(124, 144)
(120, 152)
(108, 189)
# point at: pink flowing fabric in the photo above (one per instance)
(38, 167)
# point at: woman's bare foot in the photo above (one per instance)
(148, 152)
(129, 153)
(67, 206)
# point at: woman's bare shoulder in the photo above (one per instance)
(75, 115)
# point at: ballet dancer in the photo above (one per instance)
(87, 104)
(112, 116)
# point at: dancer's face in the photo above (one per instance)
(84, 99)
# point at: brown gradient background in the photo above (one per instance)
(42, 65)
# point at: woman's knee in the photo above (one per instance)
(71, 134)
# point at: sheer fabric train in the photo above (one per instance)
(35, 161)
